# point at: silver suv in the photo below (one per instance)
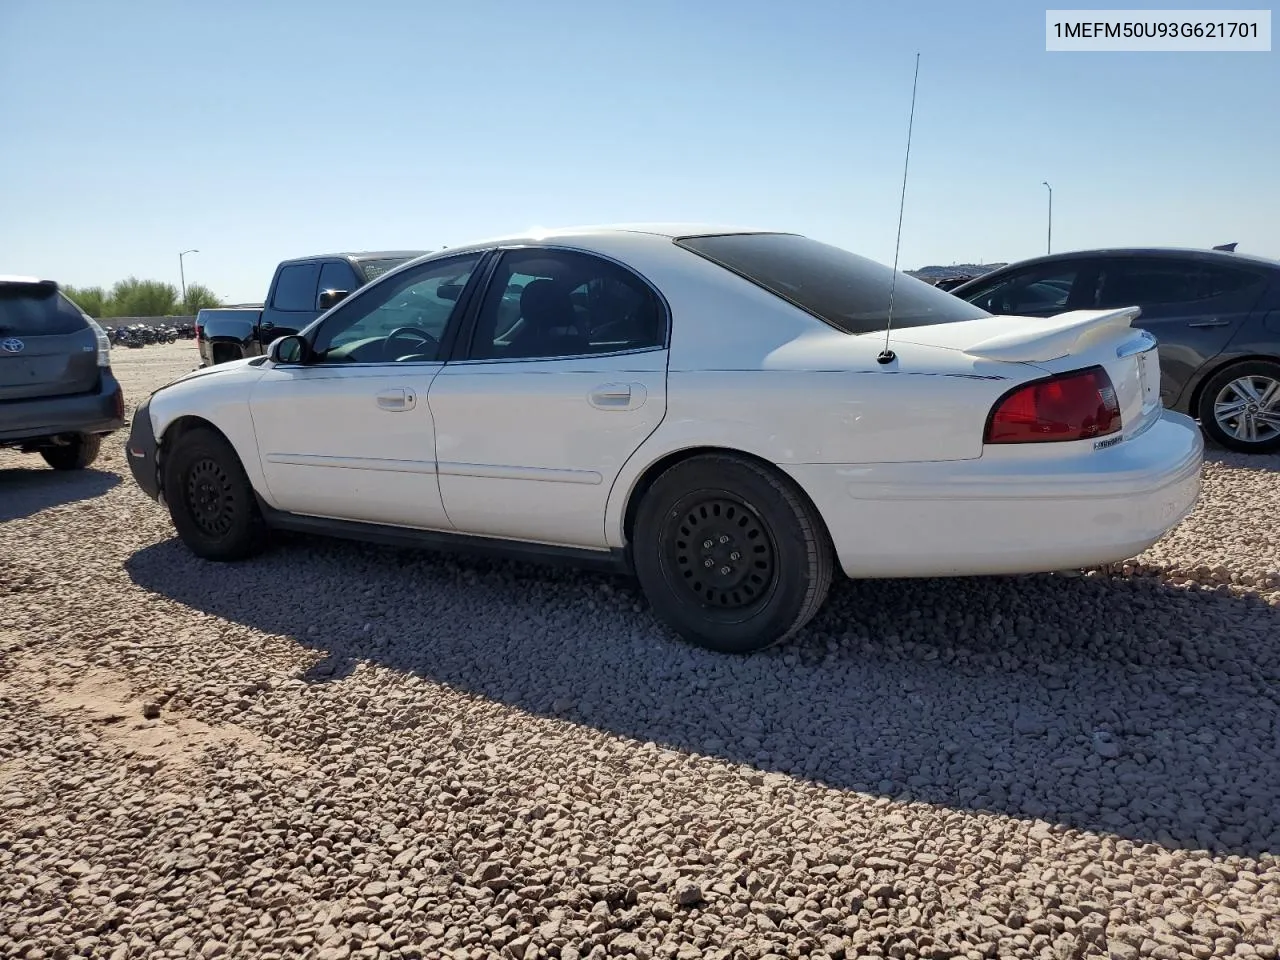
(58, 396)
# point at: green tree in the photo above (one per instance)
(142, 298)
(198, 297)
(92, 300)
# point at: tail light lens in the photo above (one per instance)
(104, 343)
(1072, 406)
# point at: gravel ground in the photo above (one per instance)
(343, 751)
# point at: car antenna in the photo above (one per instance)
(887, 355)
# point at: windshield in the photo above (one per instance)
(847, 291)
(33, 310)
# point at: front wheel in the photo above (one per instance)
(210, 498)
(75, 455)
(730, 555)
(1240, 407)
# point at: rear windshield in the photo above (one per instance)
(847, 291)
(373, 269)
(30, 310)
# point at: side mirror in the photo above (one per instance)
(293, 349)
(329, 297)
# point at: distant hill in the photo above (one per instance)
(935, 272)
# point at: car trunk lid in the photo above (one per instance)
(1065, 342)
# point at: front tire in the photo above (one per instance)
(210, 498)
(76, 455)
(730, 554)
(1240, 407)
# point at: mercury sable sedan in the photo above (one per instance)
(721, 413)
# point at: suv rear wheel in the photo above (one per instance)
(76, 455)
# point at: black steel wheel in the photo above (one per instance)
(210, 498)
(719, 552)
(730, 553)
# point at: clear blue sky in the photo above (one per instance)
(256, 131)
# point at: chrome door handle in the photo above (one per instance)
(1215, 322)
(397, 400)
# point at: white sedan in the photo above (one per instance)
(718, 412)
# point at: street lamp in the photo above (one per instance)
(183, 274)
(1049, 242)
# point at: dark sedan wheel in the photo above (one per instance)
(730, 555)
(211, 499)
(76, 455)
(1240, 407)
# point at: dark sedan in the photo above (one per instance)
(1216, 315)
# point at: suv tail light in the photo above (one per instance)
(1070, 406)
(104, 343)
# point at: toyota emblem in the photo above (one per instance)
(12, 345)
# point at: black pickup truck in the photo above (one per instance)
(301, 290)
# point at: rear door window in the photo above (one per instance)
(1173, 283)
(1147, 283)
(29, 310)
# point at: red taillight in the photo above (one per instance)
(1072, 406)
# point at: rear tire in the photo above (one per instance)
(76, 455)
(210, 498)
(1229, 408)
(730, 554)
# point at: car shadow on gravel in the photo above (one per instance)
(25, 491)
(1121, 705)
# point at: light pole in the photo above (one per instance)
(183, 274)
(1049, 242)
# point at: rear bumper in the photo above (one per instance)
(99, 412)
(1002, 514)
(140, 451)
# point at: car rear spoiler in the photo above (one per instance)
(1038, 339)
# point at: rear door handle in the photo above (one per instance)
(1215, 322)
(617, 396)
(397, 400)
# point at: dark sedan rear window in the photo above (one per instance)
(847, 291)
(31, 310)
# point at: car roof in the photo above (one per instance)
(669, 230)
(660, 231)
(359, 255)
(1121, 253)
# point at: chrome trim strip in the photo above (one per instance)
(487, 471)
(352, 463)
